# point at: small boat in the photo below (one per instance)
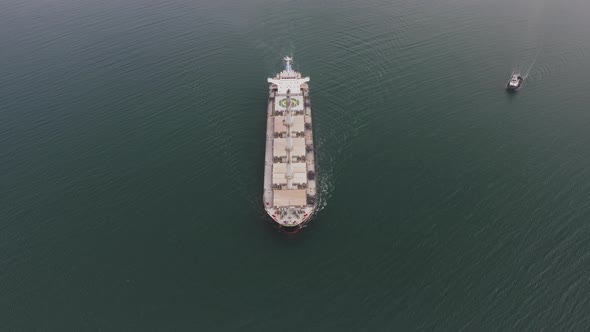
(515, 82)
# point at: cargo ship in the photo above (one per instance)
(290, 193)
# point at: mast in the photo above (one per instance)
(288, 63)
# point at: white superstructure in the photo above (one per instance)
(514, 81)
(289, 174)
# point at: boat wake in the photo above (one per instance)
(526, 74)
(535, 33)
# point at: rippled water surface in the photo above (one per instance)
(132, 145)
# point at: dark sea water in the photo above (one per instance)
(132, 152)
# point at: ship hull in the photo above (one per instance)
(511, 88)
(289, 176)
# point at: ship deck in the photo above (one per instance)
(289, 177)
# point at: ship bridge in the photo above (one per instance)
(288, 79)
(286, 84)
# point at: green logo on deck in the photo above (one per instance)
(294, 102)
